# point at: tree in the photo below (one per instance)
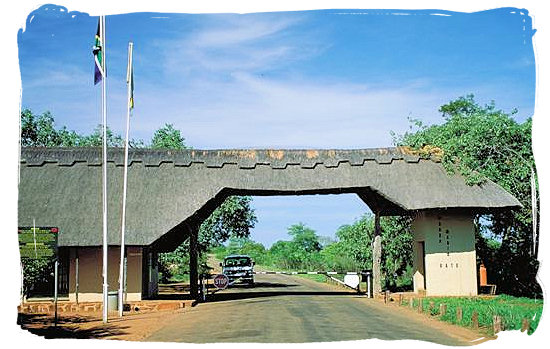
(305, 238)
(38, 277)
(246, 246)
(233, 218)
(167, 137)
(96, 139)
(353, 251)
(397, 252)
(302, 252)
(483, 142)
(40, 131)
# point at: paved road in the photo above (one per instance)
(285, 308)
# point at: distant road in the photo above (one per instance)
(284, 308)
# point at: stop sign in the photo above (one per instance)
(221, 281)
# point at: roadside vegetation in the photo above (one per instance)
(350, 251)
(484, 143)
(512, 310)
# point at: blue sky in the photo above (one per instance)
(311, 79)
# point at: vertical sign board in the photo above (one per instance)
(40, 243)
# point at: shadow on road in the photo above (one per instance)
(263, 284)
(43, 325)
(242, 291)
(231, 296)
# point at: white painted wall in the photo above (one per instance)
(450, 256)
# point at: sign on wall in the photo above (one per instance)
(37, 242)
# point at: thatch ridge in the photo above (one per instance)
(169, 189)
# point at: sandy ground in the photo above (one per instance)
(134, 327)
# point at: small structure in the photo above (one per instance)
(171, 192)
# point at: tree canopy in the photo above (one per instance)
(167, 137)
(483, 142)
(40, 131)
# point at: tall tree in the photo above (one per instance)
(302, 252)
(483, 142)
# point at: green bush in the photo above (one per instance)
(512, 310)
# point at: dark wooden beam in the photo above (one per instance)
(193, 262)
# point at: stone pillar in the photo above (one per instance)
(377, 256)
(193, 262)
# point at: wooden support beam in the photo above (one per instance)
(193, 262)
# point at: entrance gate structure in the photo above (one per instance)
(170, 192)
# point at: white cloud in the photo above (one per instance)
(251, 111)
(53, 76)
(237, 30)
(237, 43)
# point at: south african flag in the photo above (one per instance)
(98, 55)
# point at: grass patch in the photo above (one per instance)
(314, 277)
(179, 278)
(512, 311)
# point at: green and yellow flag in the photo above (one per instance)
(130, 76)
(131, 82)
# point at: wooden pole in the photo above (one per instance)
(497, 324)
(193, 263)
(475, 320)
(458, 314)
(524, 325)
(77, 276)
(442, 309)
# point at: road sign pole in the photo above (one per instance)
(56, 275)
(22, 283)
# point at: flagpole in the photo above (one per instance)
(104, 122)
(129, 82)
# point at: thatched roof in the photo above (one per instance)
(167, 189)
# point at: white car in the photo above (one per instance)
(238, 268)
